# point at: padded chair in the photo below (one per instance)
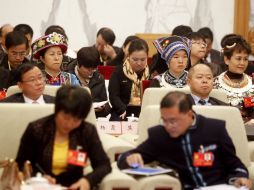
(14, 118)
(49, 90)
(106, 71)
(153, 96)
(234, 126)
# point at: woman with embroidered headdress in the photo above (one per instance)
(175, 51)
(50, 49)
(124, 84)
(234, 81)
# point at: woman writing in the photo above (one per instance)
(60, 144)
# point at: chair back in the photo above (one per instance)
(106, 71)
(49, 90)
(153, 96)
(14, 118)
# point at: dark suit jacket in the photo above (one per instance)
(212, 100)
(177, 153)
(18, 98)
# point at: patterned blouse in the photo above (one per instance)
(62, 78)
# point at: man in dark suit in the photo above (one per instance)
(200, 81)
(199, 148)
(32, 83)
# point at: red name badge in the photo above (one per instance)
(202, 159)
(248, 102)
(77, 158)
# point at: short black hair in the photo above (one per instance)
(129, 39)
(206, 32)
(234, 42)
(176, 98)
(25, 28)
(181, 30)
(15, 38)
(195, 36)
(88, 57)
(137, 45)
(22, 69)
(107, 34)
(73, 100)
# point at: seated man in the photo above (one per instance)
(105, 39)
(85, 69)
(32, 83)
(200, 81)
(184, 135)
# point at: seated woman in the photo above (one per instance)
(175, 51)
(234, 81)
(124, 84)
(52, 142)
(50, 49)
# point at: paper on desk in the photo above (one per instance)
(99, 104)
(222, 187)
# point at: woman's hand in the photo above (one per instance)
(122, 116)
(81, 184)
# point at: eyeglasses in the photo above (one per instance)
(35, 80)
(200, 43)
(15, 54)
(171, 122)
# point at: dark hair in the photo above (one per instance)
(15, 38)
(129, 39)
(195, 36)
(73, 100)
(206, 33)
(181, 30)
(88, 57)
(22, 69)
(25, 28)
(56, 28)
(233, 42)
(107, 34)
(176, 98)
(137, 45)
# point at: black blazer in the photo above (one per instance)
(177, 153)
(19, 98)
(37, 145)
(212, 100)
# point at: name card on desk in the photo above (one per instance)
(117, 128)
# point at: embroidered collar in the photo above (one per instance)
(167, 80)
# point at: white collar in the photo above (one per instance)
(40, 100)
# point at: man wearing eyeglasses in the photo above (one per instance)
(31, 82)
(16, 45)
(199, 148)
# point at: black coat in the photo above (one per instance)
(177, 153)
(119, 90)
(37, 145)
(19, 98)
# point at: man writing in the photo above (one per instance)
(182, 136)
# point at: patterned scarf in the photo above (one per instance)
(135, 89)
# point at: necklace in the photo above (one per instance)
(235, 84)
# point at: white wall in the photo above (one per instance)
(82, 18)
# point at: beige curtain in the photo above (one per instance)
(241, 21)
